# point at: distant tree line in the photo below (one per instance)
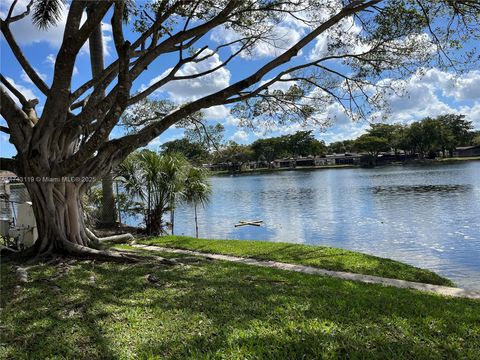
(430, 137)
(302, 143)
(427, 138)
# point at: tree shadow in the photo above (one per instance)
(216, 309)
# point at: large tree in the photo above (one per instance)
(68, 142)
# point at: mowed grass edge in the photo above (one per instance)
(316, 256)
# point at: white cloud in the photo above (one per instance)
(107, 39)
(346, 38)
(50, 60)
(472, 113)
(231, 120)
(279, 34)
(216, 112)
(240, 136)
(181, 91)
(434, 93)
(341, 38)
(340, 132)
(281, 39)
(280, 85)
(464, 87)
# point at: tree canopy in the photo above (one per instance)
(302, 143)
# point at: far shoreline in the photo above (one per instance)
(424, 162)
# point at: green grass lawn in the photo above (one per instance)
(317, 256)
(219, 310)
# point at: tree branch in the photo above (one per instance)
(193, 33)
(108, 75)
(9, 19)
(32, 74)
(120, 102)
(128, 142)
(18, 122)
(73, 40)
(14, 91)
(100, 109)
(4, 129)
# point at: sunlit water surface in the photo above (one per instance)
(427, 216)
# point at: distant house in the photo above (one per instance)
(344, 159)
(284, 163)
(312, 161)
(464, 151)
(308, 161)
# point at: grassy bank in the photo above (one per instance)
(213, 309)
(456, 159)
(317, 256)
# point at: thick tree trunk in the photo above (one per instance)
(61, 228)
(155, 221)
(58, 213)
(108, 218)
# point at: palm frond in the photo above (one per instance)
(47, 13)
(197, 188)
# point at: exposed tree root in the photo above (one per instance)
(30, 257)
(106, 255)
(113, 255)
(109, 239)
(21, 274)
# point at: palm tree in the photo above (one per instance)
(157, 180)
(173, 169)
(197, 190)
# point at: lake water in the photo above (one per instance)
(427, 216)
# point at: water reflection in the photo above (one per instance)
(425, 216)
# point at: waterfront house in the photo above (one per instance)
(464, 151)
(312, 161)
(343, 159)
(284, 163)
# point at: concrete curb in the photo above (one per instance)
(437, 289)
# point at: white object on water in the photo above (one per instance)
(249, 222)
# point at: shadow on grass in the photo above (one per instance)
(216, 309)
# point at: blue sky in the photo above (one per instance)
(435, 93)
